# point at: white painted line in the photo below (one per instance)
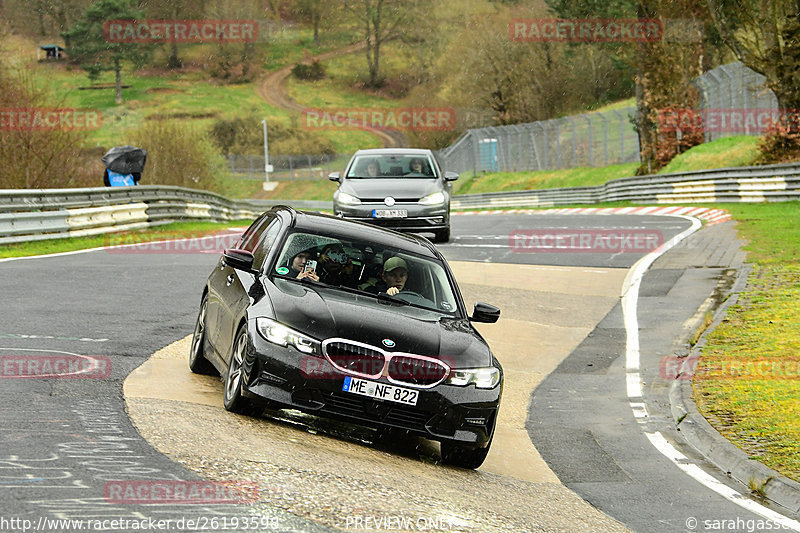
(630, 296)
(694, 471)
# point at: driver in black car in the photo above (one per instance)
(393, 278)
(395, 275)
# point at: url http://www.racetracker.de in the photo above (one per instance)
(195, 523)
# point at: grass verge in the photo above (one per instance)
(748, 379)
(175, 230)
(736, 151)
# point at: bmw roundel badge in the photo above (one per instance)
(389, 343)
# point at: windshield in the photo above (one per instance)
(353, 265)
(392, 166)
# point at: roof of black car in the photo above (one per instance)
(349, 229)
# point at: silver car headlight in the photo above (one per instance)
(436, 198)
(277, 333)
(347, 199)
(482, 378)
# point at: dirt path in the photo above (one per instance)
(273, 90)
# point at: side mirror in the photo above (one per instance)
(485, 313)
(450, 176)
(335, 176)
(239, 259)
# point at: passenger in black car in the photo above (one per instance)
(335, 267)
(298, 266)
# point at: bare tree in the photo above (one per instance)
(381, 21)
(765, 36)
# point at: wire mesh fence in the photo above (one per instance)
(585, 140)
(734, 100)
(286, 167)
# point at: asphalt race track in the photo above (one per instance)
(67, 441)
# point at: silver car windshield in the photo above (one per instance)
(367, 268)
(392, 166)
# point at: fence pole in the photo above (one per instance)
(591, 139)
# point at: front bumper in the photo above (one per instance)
(420, 217)
(284, 377)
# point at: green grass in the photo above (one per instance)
(175, 230)
(735, 151)
(300, 190)
(542, 179)
(186, 96)
(748, 383)
(291, 46)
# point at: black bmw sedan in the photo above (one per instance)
(347, 320)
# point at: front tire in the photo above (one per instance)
(232, 397)
(457, 455)
(197, 359)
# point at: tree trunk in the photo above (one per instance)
(316, 17)
(118, 72)
(174, 60)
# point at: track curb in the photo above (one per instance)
(697, 431)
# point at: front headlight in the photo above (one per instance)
(277, 333)
(482, 378)
(432, 199)
(347, 199)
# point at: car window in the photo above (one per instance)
(355, 264)
(253, 233)
(392, 166)
(265, 242)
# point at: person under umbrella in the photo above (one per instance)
(124, 165)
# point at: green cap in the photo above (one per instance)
(394, 262)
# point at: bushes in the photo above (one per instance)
(35, 157)
(781, 142)
(244, 136)
(304, 71)
(179, 154)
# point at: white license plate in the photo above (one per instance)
(381, 391)
(389, 213)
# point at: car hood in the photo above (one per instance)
(408, 188)
(324, 313)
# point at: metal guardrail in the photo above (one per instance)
(37, 214)
(769, 183)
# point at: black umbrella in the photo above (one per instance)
(125, 159)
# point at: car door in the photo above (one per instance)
(234, 292)
(218, 283)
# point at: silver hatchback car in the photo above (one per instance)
(399, 188)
